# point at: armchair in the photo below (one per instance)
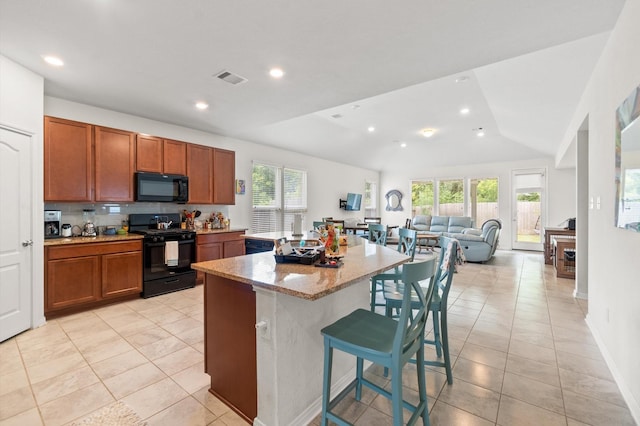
(479, 245)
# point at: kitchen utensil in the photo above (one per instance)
(66, 230)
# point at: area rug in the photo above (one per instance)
(115, 414)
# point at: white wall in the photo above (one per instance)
(327, 181)
(614, 283)
(560, 190)
(21, 108)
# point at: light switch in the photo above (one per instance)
(598, 202)
(591, 203)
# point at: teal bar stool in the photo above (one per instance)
(406, 245)
(378, 234)
(386, 342)
(438, 306)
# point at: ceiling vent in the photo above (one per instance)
(336, 116)
(230, 77)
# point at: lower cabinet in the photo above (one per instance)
(89, 274)
(217, 246)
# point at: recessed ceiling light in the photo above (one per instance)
(276, 72)
(479, 132)
(202, 105)
(427, 133)
(53, 60)
(462, 79)
(403, 145)
(464, 111)
(371, 129)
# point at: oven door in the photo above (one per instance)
(154, 263)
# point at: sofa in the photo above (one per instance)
(440, 225)
(479, 245)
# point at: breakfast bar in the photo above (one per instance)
(263, 347)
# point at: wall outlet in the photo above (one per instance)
(263, 329)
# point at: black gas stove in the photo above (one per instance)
(167, 253)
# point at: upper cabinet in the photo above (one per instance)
(115, 153)
(85, 162)
(224, 176)
(68, 160)
(200, 172)
(154, 154)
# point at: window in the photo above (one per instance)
(451, 197)
(278, 194)
(483, 200)
(422, 201)
(370, 199)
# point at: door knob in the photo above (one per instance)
(27, 243)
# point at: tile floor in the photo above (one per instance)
(521, 351)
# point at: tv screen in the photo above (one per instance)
(353, 202)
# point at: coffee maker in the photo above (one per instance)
(52, 223)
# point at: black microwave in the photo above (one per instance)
(158, 187)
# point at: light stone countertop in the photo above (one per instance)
(361, 261)
(85, 240)
(219, 231)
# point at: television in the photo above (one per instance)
(353, 202)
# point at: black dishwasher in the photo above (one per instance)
(252, 246)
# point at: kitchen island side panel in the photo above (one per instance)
(230, 343)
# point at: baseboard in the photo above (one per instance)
(579, 295)
(634, 406)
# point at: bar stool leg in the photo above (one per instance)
(422, 385)
(326, 381)
(445, 347)
(436, 332)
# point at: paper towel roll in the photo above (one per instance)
(297, 224)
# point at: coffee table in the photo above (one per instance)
(426, 237)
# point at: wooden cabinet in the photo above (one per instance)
(68, 160)
(82, 276)
(200, 172)
(114, 159)
(154, 154)
(174, 158)
(224, 176)
(217, 246)
(148, 154)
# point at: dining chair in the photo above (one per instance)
(369, 220)
(406, 245)
(393, 295)
(377, 234)
(384, 341)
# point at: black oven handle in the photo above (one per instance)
(161, 244)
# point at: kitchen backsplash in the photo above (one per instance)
(112, 214)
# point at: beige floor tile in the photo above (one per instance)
(582, 349)
(584, 365)
(133, 380)
(532, 351)
(100, 351)
(444, 415)
(15, 402)
(592, 387)
(148, 336)
(182, 325)
(162, 347)
(478, 374)
(213, 404)
(64, 384)
(515, 412)
(487, 356)
(48, 353)
(533, 392)
(26, 418)
(55, 367)
(187, 412)
(179, 360)
(10, 356)
(155, 398)
(118, 364)
(75, 405)
(596, 412)
(192, 378)
(474, 399)
(13, 381)
(229, 419)
(536, 370)
(489, 340)
(373, 417)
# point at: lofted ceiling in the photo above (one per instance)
(391, 65)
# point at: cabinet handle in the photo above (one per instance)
(27, 243)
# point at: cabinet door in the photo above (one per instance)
(208, 251)
(234, 248)
(68, 160)
(148, 154)
(121, 274)
(200, 172)
(63, 286)
(114, 164)
(175, 157)
(224, 176)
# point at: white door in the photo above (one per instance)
(15, 235)
(528, 209)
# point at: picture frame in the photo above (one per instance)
(240, 186)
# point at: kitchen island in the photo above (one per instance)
(263, 347)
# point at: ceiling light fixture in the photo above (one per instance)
(371, 129)
(479, 132)
(53, 60)
(276, 73)
(403, 145)
(202, 105)
(464, 111)
(427, 133)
